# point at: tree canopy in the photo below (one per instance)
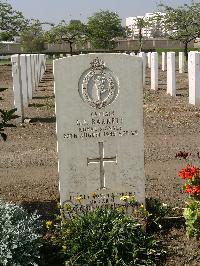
(11, 22)
(103, 28)
(33, 37)
(74, 32)
(182, 23)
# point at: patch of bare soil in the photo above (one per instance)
(28, 159)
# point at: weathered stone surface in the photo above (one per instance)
(194, 77)
(154, 71)
(100, 125)
(17, 87)
(171, 73)
(23, 64)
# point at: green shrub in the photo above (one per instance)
(192, 218)
(104, 236)
(20, 240)
(157, 211)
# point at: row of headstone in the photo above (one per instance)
(169, 64)
(27, 71)
(59, 56)
(164, 61)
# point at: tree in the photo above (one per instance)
(141, 24)
(183, 23)
(74, 32)
(11, 22)
(103, 28)
(156, 24)
(33, 37)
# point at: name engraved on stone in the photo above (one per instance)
(98, 86)
(101, 160)
(100, 124)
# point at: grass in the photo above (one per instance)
(5, 62)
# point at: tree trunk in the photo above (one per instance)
(140, 40)
(70, 45)
(186, 50)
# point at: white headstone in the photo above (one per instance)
(23, 64)
(29, 76)
(17, 86)
(194, 77)
(181, 62)
(171, 73)
(33, 68)
(154, 71)
(99, 114)
(163, 61)
(37, 70)
(41, 66)
(149, 59)
(143, 56)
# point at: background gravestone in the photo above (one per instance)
(17, 87)
(99, 110)
(23, 64)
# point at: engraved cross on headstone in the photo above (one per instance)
(101, 160)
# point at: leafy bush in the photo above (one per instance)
(20, 240)
(104, 236)
(191, 214)
(157, 211)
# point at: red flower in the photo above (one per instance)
(189, 172)
(193, 190)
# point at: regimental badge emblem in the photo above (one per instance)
(98, 86)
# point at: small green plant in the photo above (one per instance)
(103, 236)
(2, 89)
(6, 116)
(20, 241)
(156, 211)
(191, 176)
(192, 217)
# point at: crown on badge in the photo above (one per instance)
(97, 64)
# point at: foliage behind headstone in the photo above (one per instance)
(11, 22)
(182, 23)
(103, 28)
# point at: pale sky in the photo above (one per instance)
(54, 11)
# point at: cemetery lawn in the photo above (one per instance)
(28, 159)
